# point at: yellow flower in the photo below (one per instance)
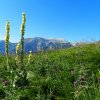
(22, 29)
(7, 32)
(7, 27)
(23, 18)
(7, 43)
(29, 56)
(18, 48)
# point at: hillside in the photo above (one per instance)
(67, 74)
(37, 44)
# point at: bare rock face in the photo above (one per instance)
(37, 44)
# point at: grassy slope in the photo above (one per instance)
(64, 74)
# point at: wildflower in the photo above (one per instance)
(75, 83)
(23, 23)
(29, 56)
(18, 48)
(22, 31)
(7, 42)
(98, 79)
(5, 82)
(7, 36)
(17, 51)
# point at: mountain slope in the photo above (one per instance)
(12, 47)
(37, 44)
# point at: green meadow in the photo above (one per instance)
(65, 74)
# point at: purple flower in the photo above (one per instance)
(5, 82)
(75, 82)
(98, 79)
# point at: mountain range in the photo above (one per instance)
(36, 44)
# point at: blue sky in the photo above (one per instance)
(73, 20)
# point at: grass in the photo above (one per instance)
(66, 74)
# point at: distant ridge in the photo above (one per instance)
(37, 44)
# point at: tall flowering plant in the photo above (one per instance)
(7, 43)
(22, 31)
